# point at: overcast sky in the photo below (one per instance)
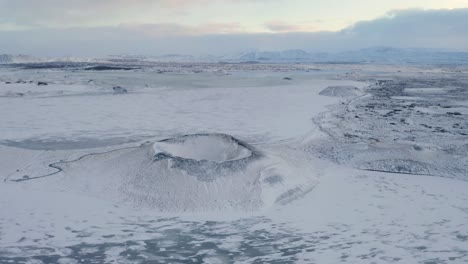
(154, 27)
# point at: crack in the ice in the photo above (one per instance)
(59, 169)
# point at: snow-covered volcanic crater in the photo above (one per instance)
(218, 148)
(206, 156)
(198, 172)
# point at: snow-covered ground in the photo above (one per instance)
(374, 170)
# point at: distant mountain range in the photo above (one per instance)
(11, 59)
(369, 55)
(384, 55)
(7, 58)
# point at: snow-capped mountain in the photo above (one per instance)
(296, 55)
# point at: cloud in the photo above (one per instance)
(59, 13)
(280, 26)
(66, 13)
(415, 21)
(171, 29)
(445, 29)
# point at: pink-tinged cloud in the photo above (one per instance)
(283, 27)
(163, 30)
(63, 13)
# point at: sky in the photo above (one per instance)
(155, 27)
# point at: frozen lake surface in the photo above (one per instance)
(234, 163)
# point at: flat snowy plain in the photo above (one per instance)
(283, 164)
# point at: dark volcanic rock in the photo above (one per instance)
(398, 166)
(119, 90)
(109, 68)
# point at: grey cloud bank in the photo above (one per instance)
(441, 29)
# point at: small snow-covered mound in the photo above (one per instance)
(341, 91)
